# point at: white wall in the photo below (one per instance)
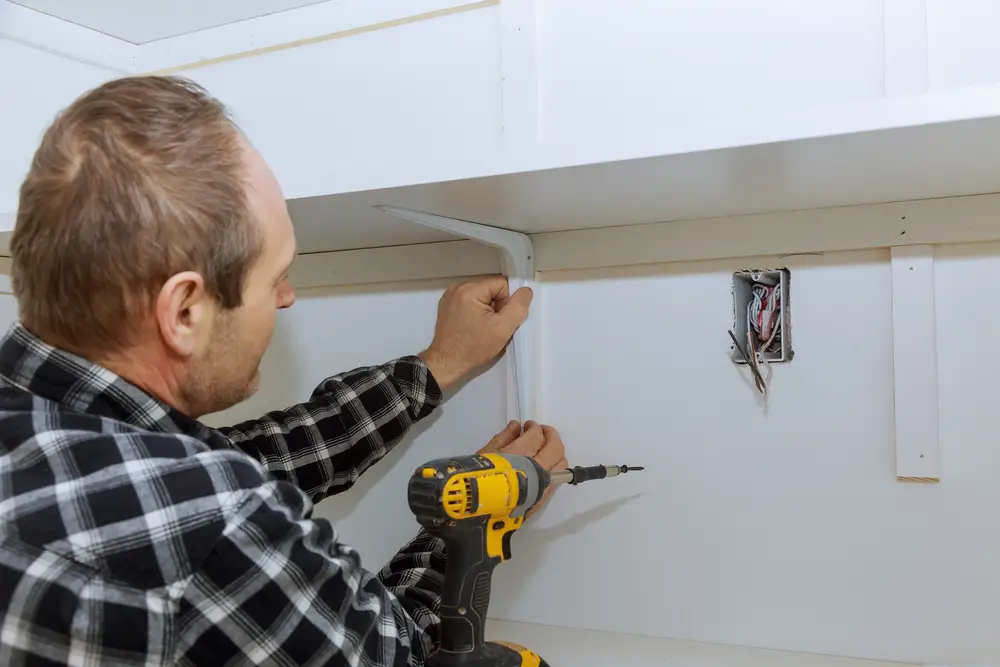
(780, 527)
(34, 85)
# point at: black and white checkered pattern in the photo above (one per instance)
(133, 535)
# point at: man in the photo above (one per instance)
(150, 255)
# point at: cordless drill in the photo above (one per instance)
(474, 504)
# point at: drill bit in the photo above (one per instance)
(580, 474)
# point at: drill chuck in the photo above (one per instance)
(579, 474)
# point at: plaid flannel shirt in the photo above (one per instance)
(131, 534)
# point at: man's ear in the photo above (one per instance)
(183, 311)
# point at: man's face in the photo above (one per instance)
(227, 369)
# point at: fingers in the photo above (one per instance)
(552, 451)
(502, 439)
(490, 289)
(542, 443)
(530, 442)
(514, 311)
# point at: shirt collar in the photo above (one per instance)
(30, 363)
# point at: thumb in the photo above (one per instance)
(514, 310)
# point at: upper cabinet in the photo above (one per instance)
(401, 104)
(962, 44)
(631, 70)
(551, 115)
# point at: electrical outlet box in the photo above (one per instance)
(761, 305)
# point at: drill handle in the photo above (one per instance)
(465, 600)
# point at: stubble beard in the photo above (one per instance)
(224, 376)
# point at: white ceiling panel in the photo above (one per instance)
(141, 21)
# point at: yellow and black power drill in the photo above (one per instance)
(474, 504)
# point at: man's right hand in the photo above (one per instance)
(542, 443)
(474, 324)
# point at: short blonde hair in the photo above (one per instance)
(137, 180)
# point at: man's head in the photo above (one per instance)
(153, 238)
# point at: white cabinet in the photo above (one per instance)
(382, 108)
(611, 70)
(962, 49)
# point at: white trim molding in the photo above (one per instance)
(969, 219)
(914, 347)
(973, 219)
(394, 264)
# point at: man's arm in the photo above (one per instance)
(349, 423)
(279, 588)
(354, 419)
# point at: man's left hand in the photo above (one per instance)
(475, 321)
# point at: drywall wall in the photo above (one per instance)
(35, 85)
(359, 326)
(778, 527)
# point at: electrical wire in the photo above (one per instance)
(763, 320)
(764, 315)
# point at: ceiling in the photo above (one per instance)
(141, 21)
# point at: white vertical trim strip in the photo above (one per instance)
(519, 73)
(914, 337)
(64, 39)
(904, 44)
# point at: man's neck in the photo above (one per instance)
(146, 370)
(143, 365)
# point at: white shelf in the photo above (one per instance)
(869, 152)
(898, 149)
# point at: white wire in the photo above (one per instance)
(767, 299)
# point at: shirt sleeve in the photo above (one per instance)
(280, 588)
(349, 423)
